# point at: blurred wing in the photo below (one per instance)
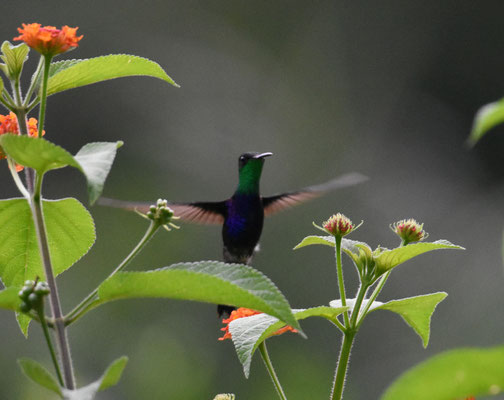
(199, 212)
(280, 202)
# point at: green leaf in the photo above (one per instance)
(313, 239)
(454, 374)
(54, 68)
(1, 85)
(248, 333)
(487, 117)
(108, 379)
(113, 373)
(23, 321)
(207, 281)
(96, 160)
(416, 311)
(14, 58)
(93, 70)
(36, 153)
(70, 231)
(39, 374)
(9, 298)
(389, 259)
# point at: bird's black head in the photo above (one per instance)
(246, 157)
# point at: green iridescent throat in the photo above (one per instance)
(250, 175)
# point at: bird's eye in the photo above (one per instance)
(242, 158)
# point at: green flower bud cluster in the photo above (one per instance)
(162, 214)
(225, 396)
(32, 295)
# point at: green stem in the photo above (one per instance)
(59, 324)
(360, 297)
(17, 179)
(373, 297)
(336, 322)
(341, 283)
(85, 304)
(271, 370)
(43, 97)
(16, 89)
(43, 322)
(7, 101)
(8, 98)
(341, 370)
(20, 112)
(33, 83)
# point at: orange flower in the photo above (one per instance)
(247, 312)
(9, 124)
(48, 40)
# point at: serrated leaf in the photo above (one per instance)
(70, 231)
(54, 68)
(108, 379)
(207, 281)
(40, 375)
(487, 117)
(314, 239)
(96, 160)
(415, 311)
(36, 153)
(99, 69)
(9, 298)
(248, 333)
(389, 259)
(454, 374)
(14, 58)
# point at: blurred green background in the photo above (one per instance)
(388, 89)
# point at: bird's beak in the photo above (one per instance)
(262, 155)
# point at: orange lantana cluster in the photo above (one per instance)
(48, 40)
(247, 312)
(9, 124)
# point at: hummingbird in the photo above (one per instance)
(242, 215)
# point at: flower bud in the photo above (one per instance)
(338, 225)
(25, 307)
(409, 230)
(42, 289)
(225, 396)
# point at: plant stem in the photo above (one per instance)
(373, 297)
(341, 370)
(85, 304)
(17, 179)
(59, 324)
(341, 283)
(6, 102)
(360, 297)
(43, 322)
(8, 98)
(33, 83)
(43, 96)
(271, 370)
